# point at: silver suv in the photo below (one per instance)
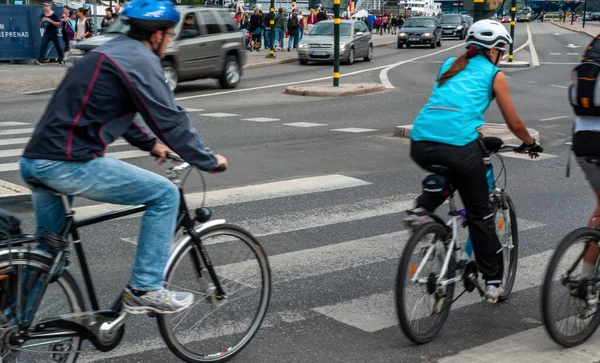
(207, 44)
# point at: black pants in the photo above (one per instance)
(54, 39)
(468, 176)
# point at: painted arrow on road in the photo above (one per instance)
(572, 46)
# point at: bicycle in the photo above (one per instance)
(27, 274)
(584, 291)
(449, 252)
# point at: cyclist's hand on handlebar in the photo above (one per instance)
(532, 149)
(221, 164)
(160, 151)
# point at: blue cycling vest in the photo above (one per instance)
(455, 110)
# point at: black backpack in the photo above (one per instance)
(584, 92)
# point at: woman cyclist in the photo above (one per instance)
(445, 133)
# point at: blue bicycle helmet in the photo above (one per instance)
(151, 15)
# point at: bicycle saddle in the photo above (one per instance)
(39, 185)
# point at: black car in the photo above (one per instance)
(420, 30)
(453, 25)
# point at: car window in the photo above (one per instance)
(363, 27)
(227, 20)
(326, 28)
(190, 27)
(210, 22)
(419, 23)
(451, 19)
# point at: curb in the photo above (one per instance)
(574, 30)
(514, 64)
(489, 129)
(327, 90)
(13, 193)
(15, 199)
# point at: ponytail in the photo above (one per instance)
(459, 64)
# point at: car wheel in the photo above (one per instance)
(231, 74)
(399, 45)
(369, 56)
(351, 57)
(303, 61)
(433, 44)
(170, 75)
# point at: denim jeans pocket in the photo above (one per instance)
(45, 165)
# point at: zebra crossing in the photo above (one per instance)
(313, 246)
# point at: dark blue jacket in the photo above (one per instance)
(96, 103)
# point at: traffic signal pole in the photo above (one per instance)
(336, 43)
(513, 13)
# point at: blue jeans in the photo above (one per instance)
(109, 180)
(279, 35)
(267, 38)
(293, 41)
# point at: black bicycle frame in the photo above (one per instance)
(184, 220)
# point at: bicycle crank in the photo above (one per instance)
(471, 278)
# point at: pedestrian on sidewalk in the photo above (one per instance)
(108, 19)
(50, 22)
(69, 31)
(393, 24)
(301, 25)
(256, 23)
(293, 30)
(385, 19)
(280, 28)
(267, 26)
(312, 19)
(371, 21)
(322, 15)
(83, 26)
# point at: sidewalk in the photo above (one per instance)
(577, 26)
(29, 78)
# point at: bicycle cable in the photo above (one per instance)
(453, 301)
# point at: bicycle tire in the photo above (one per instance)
(403, 270)
(559, 338)
(225, 229)
(509, 282)
(21, 256)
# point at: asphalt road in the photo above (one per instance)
(334, 238)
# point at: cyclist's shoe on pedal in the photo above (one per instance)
(160, 301)
(491, 293)
(415, 218)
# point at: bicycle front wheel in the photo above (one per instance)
(508, 233)
(215, 329)
(422, 305)
(569, 303)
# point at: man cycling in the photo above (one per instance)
(94, 105)
(446, 133)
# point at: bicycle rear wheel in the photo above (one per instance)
(214, 330)
(564, 294)
(508, 233)
(431, 310)
(60, 297)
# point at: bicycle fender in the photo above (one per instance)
(179, 245)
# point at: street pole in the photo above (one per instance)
(272, 32)
(584, 11)
(513, 12)
(336, 43)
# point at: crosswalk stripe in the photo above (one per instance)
(320, 217)
(529, 346)
(13, 123)
(19, 152)
(118, 155)
(16, 131)
(251, 193)
(378, 311)
(16, 141)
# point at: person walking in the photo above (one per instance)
(50, 22)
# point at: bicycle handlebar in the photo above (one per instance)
(184, 164)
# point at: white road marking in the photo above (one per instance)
(354, 130)
(543, 156)
(25, 140)
(251, 193)
(384, 72)
(304, 124)
(13, 123)
(535, 61)
(555, 53)
(16, 131)
(194, 109)
(260, 119)
(19, 152)
(560, 63)
(375, 312)
(572, 46)
(554, 118)
(219, 114)
(557, 86)
(319, 217)
(573, 54)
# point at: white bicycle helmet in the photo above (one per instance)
(488, 34)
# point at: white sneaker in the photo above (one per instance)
(491, 293)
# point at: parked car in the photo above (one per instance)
(207, 44)
(355, 42)
(524, 15)
(453, 25)
(420, 30)
(469, 20)
(506, 19)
